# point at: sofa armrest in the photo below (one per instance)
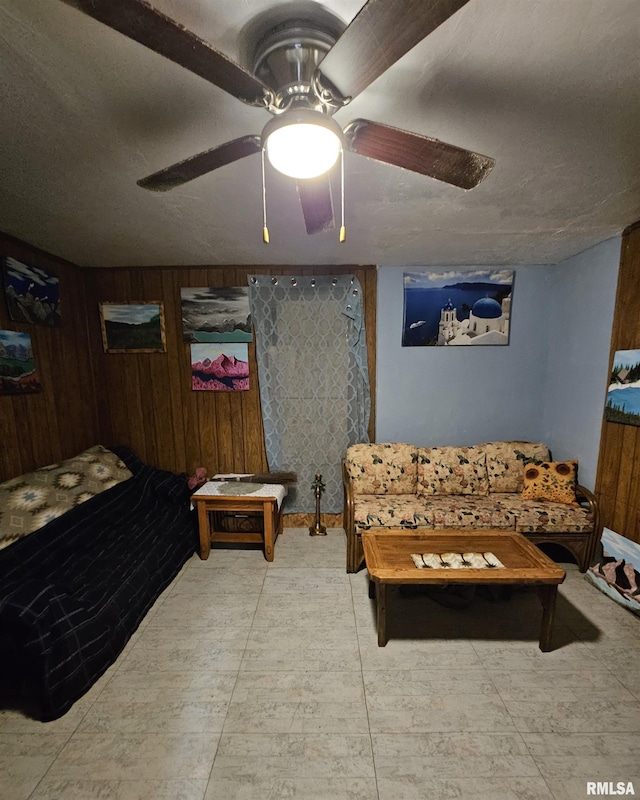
(348, 520)
(584, 496)
(587, 498)
(347, 484)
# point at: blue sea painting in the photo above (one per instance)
(623, 394)
(455, 307)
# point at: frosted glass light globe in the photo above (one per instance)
(303, 150)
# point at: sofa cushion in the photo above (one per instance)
(468, 512)
(452, 470)
(506, 462)
(551, 480)
(390, 511)
(382, 468)
(547, 517)
(30, 501)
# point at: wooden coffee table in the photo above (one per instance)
(388, 558)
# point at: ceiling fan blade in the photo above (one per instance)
(439, 160)
(381, 33)
(141, 22)
(317, 204)
(194, 167)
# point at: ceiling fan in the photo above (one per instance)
(303, 72)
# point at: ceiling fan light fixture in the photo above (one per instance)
(302, 144)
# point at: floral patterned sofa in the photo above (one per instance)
(502, 485)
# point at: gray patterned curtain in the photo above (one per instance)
(314, 384)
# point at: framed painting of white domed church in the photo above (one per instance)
(449, 308)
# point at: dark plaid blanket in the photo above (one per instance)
(73, 592)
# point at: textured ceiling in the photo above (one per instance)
(549, 88)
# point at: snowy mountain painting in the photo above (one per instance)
(215, 314)
(623, 395)
(616, 571)
(31, 292)
(17, 369)
(220, 367)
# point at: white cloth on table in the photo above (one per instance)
(241, 489)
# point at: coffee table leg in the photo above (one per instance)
(381, 612)
(548, 596)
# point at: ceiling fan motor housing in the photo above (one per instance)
(286, 59)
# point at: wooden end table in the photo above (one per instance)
(388, 559)
(241, 498)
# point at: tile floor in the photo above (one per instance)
(256, 681)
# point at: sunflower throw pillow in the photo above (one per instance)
(550, 480)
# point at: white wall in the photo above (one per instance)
(547, 385)
(578, 363)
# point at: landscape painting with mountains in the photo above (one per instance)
(623, 394)
(17, 368)
(219, 367)
(616, 570)
(133, 327)
(31, 293)
(215, 314)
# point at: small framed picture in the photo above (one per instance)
(623, 394)
(133, 326)
(32, 293)
(457, 307)
(17, 368)
(216, 314)
(218, 367)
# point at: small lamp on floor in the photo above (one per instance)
(318, 487)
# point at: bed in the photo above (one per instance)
(73, 591)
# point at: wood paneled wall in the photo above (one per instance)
(618, 478)
(61, 420)
(146, 400)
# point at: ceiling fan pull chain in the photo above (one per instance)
(343, 230)
(265, 230)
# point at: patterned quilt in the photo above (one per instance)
(30, 501)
